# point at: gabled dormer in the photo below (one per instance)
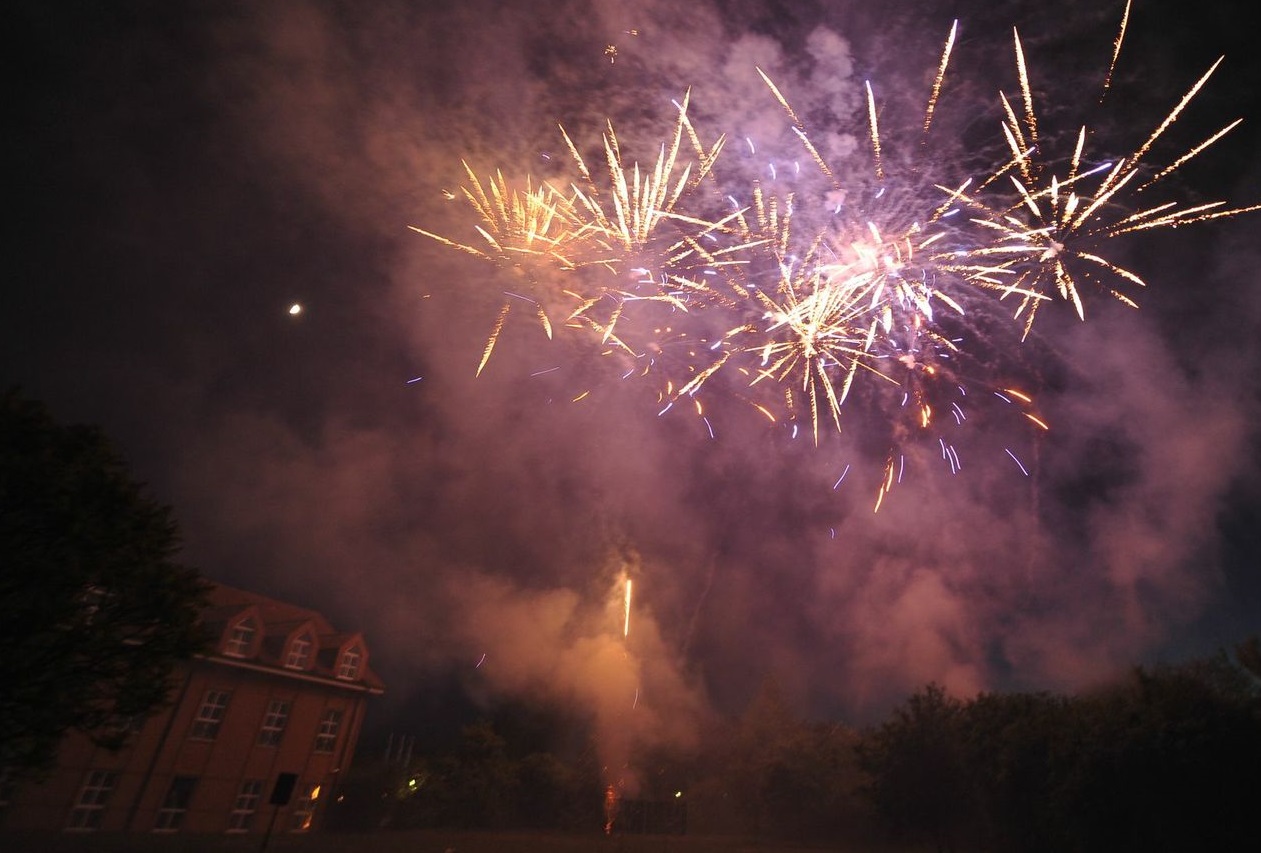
(352, 658)
(242, 634)
(301, 646)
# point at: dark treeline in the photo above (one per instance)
(1168, 758)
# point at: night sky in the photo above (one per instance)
(184, 172)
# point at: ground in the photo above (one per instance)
(435, 841)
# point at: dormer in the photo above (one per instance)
(352, 658)
(300, 647)
(242, 634)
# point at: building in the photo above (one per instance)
(257, 735)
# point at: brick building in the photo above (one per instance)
(274, 708)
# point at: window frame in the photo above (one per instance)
(328, 732)
(240, 640)
(248, 799)
(302, 816)
(300, 660)
(275, 721)
(179, 797)
(89, 806)
(210, 715)
(350, 663)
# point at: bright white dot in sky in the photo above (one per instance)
(295, 309)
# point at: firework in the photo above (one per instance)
(626, 608)
(1051, 236)
(798, 314)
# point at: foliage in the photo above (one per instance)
(1011, 744)
(916, 766)
(1168, 759)
(484, 781)
(782, 776)
(96, 612)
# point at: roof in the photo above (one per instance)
(224, 603)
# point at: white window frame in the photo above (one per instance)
(210, 714)
(299, 652)
(170, 816)
(274, 722)
(330, 726)
(350, 663)
(241, 639)
(89, 806)
(248, 799)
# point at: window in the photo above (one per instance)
(241, 640)
(304, 808)
(175, 806)
(327, 736)
(299, 652)
(210, 715)
(348, 667)
(93, 796)
(274, 722)
(246, 804)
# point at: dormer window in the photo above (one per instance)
(241, 638)
(348, 666)
(299, 654)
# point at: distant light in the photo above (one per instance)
(295, 309)
(678, 794)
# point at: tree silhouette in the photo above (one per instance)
(918, 776)
(96, 613)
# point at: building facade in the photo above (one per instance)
(258, 732)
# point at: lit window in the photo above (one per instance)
(93, 796)
(274, 722)
(299, 652)
(327, 736)
(241, 640)
(304, 808)
(175, 806)
(210, 715)
(246, 804)
(348, 667)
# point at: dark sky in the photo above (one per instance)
(185, 171)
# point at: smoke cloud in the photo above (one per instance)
(350, 459)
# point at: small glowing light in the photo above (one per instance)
(295, 309)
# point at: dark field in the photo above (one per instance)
(433, 841)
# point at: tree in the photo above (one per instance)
(917, 770)
(1169, 760)
(96, 613)
(479, 780)
(781, 775)
(1016, 748)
